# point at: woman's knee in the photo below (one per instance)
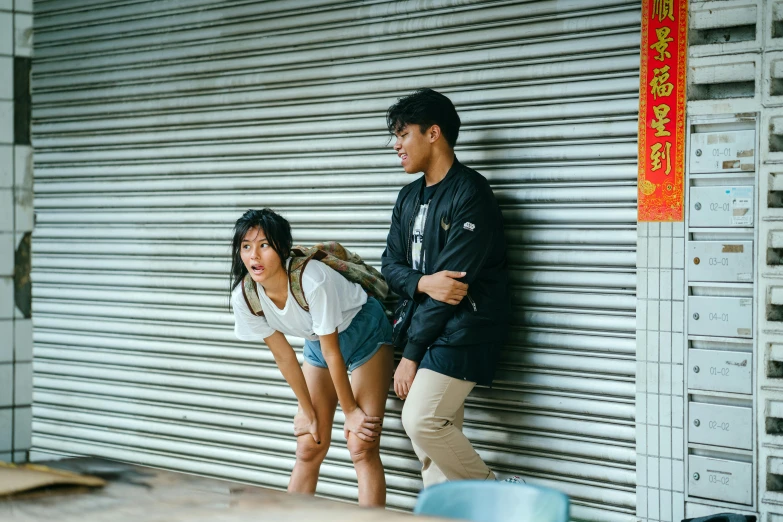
(362, 450)
(307, 450)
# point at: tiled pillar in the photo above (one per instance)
(659, 376)
(16, 225)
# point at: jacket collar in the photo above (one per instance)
(448, 178)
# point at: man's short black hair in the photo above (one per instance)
(425, 108)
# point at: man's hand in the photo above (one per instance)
(444, 287)
(403, 377)
(305, 423)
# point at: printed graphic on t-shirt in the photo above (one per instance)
(417, 241)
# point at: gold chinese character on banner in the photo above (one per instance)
(662, 44)
(660, 85)
(663, 9)
(657, 155)
(660, 120)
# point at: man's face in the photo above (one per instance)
(414, 148)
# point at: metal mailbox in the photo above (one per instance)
(721, 371)
(724, 261)
(721, 206)
(716, 152)
(720, 425)
(719, 479)
(720, 316)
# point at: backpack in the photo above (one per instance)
(333, 255)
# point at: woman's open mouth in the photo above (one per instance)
(256, 269)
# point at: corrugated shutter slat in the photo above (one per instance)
(157, 123)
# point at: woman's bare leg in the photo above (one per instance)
(310, 455)
(370, 384)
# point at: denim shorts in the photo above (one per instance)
(369, 330)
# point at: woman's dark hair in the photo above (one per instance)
(276, 229)
(425, 108)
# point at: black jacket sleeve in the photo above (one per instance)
(475, 225)
(394, 263)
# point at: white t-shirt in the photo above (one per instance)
(333, 300)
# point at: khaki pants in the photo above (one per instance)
(432, 418)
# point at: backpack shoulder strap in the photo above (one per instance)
(250, 293)
(300, 256)
(338, 258)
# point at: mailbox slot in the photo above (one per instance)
(720, 261)
(721, 206)
(719, 479)
(716, 152)
(720, 316)
(721, 371)
(720, 425)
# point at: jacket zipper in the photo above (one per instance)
(410, 230)
(472, 302)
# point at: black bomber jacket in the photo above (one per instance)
(463, 232)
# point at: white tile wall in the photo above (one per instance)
(6, 210)
(6, 298)
(659, 355)
(665, 410)
(16, 217)
(678, 348)
(23, 207)
(6, 116)
(6, 230)
(6, 167)
(666, 481)
(6, 78)
(6, 341)
(23, 340)
(23, 167)
(653, 503)
(665, 441)
(666, 505)
(6, 254)
(23, 6)
(665, 350)
(23, 34)
(23, 428)
(652, 440)
(666, 284)
(6, 33)
(6, 385)
(666, 252)
(641, 502)
(6, 431)
(652, 469)
(23, 188)
(23, 383)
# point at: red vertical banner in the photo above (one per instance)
(662, 110)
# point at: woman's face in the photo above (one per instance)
(262, 262)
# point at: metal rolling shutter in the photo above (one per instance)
(158, 122)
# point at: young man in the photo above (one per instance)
(446, 258)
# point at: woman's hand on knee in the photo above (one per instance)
(306, 423)
(362, 425)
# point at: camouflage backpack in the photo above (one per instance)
(335, 256)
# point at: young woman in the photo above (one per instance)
(344, 329)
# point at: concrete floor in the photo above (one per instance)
(139, 494)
